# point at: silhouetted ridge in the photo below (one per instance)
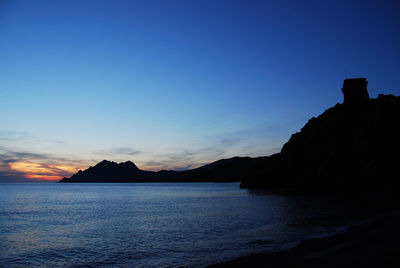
(225, 170)
(107, 171)
(351, 147)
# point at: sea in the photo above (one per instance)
(156, 224)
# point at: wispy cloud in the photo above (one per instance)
(7, 175)
(211, 148)
(183, 158)
(22, 165)
(117, 151)
(9, 156)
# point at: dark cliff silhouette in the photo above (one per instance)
(352, 146)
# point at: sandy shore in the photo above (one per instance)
(373, 244)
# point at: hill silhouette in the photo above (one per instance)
(225, 170)
(352, 146)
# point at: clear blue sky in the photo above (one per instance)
(176, 84)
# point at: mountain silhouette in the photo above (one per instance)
(352, 146)
(225, 170)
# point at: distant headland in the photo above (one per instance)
(225, 170)
(352, 146)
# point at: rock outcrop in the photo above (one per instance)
(351, 146)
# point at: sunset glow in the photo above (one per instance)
(39, 171)
(35, 177)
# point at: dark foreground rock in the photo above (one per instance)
(374, 244)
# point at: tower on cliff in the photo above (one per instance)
(355, 90)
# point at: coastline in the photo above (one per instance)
(372, 244)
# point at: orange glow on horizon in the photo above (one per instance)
(35, 177)
(27, 167)
(45, 172)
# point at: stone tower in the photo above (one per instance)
(355, 90)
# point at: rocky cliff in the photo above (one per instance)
(351, 146)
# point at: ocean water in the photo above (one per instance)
(155, 224)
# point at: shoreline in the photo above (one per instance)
(372, 244)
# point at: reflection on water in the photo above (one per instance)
(169, 225)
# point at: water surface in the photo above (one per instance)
(155, 224)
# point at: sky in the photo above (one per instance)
(177, 84)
